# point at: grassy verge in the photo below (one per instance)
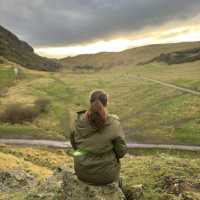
(26, 132)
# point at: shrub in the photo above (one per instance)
(17, 113)
(42, 104)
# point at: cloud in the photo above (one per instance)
(69, 22)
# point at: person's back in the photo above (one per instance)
(98, 144)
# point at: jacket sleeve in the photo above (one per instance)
(72, 135)
(73, 119)
(72, 140)
(119, 142)
(119, 147)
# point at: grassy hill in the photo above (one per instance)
(128, 57)
(6, 78)
(15, 50)
(177, 57)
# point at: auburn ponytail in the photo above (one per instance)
(97, 112)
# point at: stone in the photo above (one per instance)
(64, 185)
(135, 192)
(15, 179)
(48, 189)
(74, 189)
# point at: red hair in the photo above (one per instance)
(97, 113)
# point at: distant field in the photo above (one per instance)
(149, 112)
(163, 174)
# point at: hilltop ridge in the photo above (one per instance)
(20, 52)
(127, 57)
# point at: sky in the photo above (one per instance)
(64, 28)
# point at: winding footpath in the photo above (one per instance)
(171, 86)
(66, 144)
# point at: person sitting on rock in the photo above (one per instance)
(98, 141)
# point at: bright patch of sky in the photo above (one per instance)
(180, 34)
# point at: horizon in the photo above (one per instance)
(45, 54)
(189, 33)
(134, 47)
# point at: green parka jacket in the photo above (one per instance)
(97, 152)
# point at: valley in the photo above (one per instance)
(150, 112)
(158, 106)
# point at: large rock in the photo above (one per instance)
(48, 189)
(74, 189)
(64, 185)
(11, 180)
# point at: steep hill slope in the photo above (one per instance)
(178, 57)
(15, 50)
(127, 57)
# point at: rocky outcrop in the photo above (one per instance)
(178, 57)
(20, 52)
(129, 57)
(48, 189)
(74, 189)
(11, 180)
(63, 185)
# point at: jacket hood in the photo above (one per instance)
(84, 127)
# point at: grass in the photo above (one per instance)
(6, 78)
(149, 112)
(27, 131)
(49, 158)
(159, 171)
(10, 162)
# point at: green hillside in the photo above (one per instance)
(177, 57)
(128, 57)
(7, 77)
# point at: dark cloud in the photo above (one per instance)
(65, 22)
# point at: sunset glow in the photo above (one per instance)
(163, 35)
(101, 46)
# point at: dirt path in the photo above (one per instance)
(63, 144)
(171, 86)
